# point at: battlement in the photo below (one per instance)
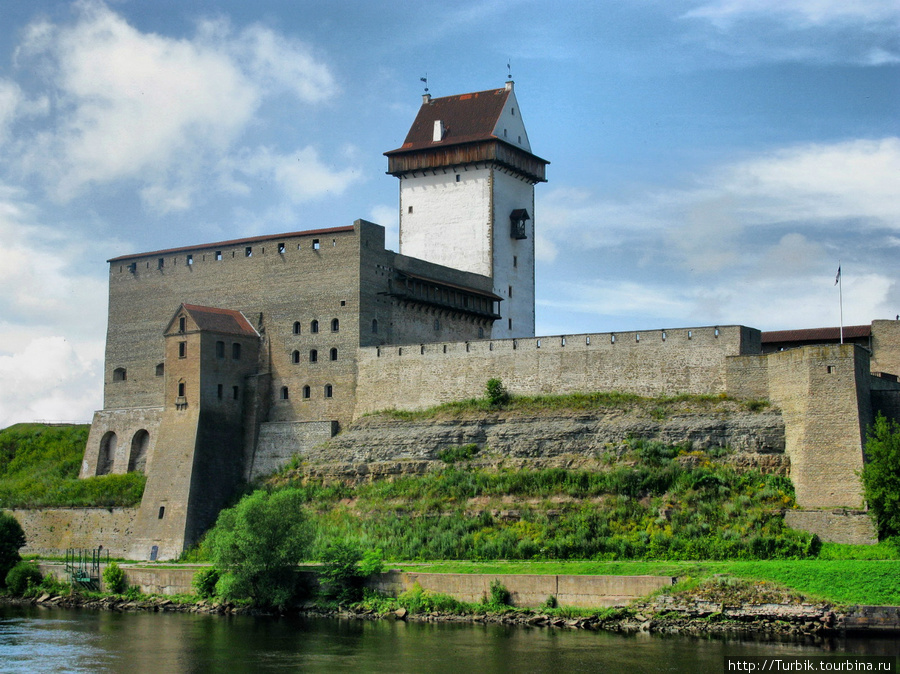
(652, 363)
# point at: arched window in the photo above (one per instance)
(306, 392)
(296, 327)
(181, 389)
(329, 391)
(314, 326)
(313, 356)
(284, 393)
(335, 325)
(374, 326)
(107, 455)
(295, 357)
(333, 354)
(137, 461)
(120, 374)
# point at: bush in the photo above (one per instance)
(23, 576)
(499, 594)
(114, 579)
(462, 453)
(12, 539)
(496, 392)
(204, 582)
(257, 545)
(881, 476)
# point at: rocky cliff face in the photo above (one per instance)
(381, 444)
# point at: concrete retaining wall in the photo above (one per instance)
(528, 590)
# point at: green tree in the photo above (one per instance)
(257, 545)
(22, 577)
(345, 569)
(881, 476)
(12, 539)
(496, 392)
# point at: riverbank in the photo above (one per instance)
(686, 613)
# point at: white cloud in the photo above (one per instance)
(161, 110)
(44, 374)
(300, 175)
(804, 12)
(389, 218)
(754, 242)
(10, 98)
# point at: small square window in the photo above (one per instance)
(248, 251)
(160, 263)
(458, 177)
(281, 248)
(409, 210)
(190, 259)
(315, 244)
(182, 349)
(218, 255)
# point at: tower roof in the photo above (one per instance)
(468, 129)
(466, 118)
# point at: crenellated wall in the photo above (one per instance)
(650, 363)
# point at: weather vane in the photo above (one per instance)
(508, 70)
(425, 80)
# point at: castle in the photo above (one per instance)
(223, 360)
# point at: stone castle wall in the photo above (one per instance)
(651, 363)
(50, 531)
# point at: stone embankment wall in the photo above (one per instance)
(757, 438)
(52, 531)
(835, 526)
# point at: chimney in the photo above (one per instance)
(509, 85)
(426, 99)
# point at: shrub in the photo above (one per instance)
(258, 543)
(462, 453)
(499, 595)
(881, 476)
(12, 539)
(496, 392)
(114, 579)
(204, 582)
(340, 575)
(23, 576)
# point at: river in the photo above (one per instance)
(34, 639)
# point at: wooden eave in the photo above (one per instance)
(494, 150)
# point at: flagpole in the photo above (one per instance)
(841, 298)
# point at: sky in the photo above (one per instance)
(712, 161)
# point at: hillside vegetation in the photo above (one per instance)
(652, 502)
(507, 404)
(39, 467)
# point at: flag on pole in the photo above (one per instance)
(837, 279)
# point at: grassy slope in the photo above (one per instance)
(39, 467)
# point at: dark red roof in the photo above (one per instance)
(816, 334)
(224, 321)
(235, 242)
(466, 118)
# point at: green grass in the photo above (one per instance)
(836, 581)
(658, 408)
(39, 467)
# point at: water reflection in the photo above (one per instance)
(34, 639)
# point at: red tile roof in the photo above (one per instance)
(234, 242)
(466, 117)
(816, 334)
(224, 321)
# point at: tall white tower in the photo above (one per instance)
(467, 179)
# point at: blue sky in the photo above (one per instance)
(711, 160)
